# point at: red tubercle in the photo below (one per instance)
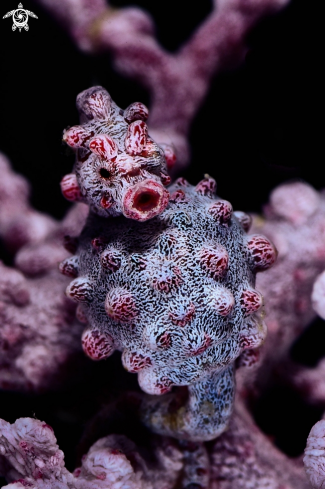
(250, 301)
(221, 211)
(247, 342)
(111, 260)
(48, 427)
(120, 306)
(164, 340)
(70, 188)
(170, 155)
(136, 111)
(134, 362)
(182, 182)
(77, 136)
(149, 150)
(98, 243)
(214, 260)
(183, 319)
(80, 290)
(262, 252)
(207, 186)
(94, 103)
(104, 146)
(97, 345)
(178, 196)
(69, 267)
(166, 179)
(136, 137)
(204, 346)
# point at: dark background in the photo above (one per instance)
(269, 129)
(269, 123)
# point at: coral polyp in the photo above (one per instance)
(119, 169)
(175, 294)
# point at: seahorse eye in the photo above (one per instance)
(104, 173)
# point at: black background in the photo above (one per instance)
(268, 129)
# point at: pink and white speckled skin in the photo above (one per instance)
(119, 169)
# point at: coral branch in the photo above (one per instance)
(294, 221)
(177, 82)
(310, 382)
(38, 332)
(19, 223)
(314, 459)
(243, 458)
(30, 456)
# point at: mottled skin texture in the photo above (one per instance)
(176, 295)
(119, 169)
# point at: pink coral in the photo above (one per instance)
(38, 333)
(19, 223)
(177, 82)
(288, 285)
(314, 458)
(30, 457)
